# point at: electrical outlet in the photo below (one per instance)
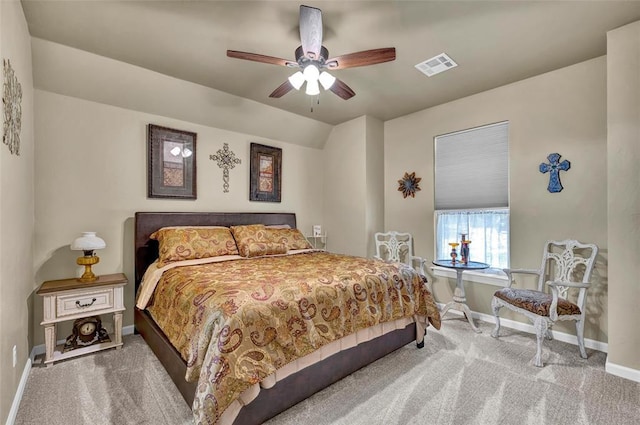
(15, 356)
(317, 230)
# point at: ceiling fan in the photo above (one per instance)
(312, 58)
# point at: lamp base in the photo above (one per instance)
(87, 278)
(88, 261)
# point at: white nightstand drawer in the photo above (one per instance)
(87, 301)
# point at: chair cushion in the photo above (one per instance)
(536, 302)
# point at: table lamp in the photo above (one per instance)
(88, 242)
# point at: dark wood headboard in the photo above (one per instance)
(146, 250)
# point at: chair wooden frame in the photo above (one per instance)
(399, 249)
(564, 266)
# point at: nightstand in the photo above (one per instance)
(318, 241)
(70, 299)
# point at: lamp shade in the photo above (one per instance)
(312, 88)
(297, 80)
(311, 73)
(326, 80)
(88, 242)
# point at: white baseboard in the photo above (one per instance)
(18, 397)
(622, 371)
(525, 327)
(611, 368)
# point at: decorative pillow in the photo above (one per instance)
(257, 249)
(252, 233)
(291, 238)
(189, 242)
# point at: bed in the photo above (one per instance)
(306, 374)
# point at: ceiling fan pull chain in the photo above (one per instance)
(317, 101)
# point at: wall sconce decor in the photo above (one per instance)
(409, 185)
(12, 99)
(553, 168)
(226, 160)
(88, 243)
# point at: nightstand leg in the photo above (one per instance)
(117, 324)
(50, 342)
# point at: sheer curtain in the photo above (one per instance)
(488, 231)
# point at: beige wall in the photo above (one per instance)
(354, 196)
(374, 181)
(563, 111)
(91, 175)
(344, 165)
(623, 181)
(16, 213)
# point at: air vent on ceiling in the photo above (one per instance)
(436, 65)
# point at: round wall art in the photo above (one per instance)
(409, 185)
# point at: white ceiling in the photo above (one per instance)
(494, 43)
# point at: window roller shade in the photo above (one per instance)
(471, 168)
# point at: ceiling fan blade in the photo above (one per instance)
(311, 31)
(283, 89)
(260, 58)
(366, 57)
(342, 90)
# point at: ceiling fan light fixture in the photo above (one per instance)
(297, 80)
(311, 73)
(326, 80)
(312, 88)
(312, 58)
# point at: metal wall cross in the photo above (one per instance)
(226, 160)
(553, 168)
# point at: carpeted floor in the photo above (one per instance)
(458, 378)
(126, 386)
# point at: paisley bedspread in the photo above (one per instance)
(236, 322)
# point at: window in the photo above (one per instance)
(472, 193)
(488, 231)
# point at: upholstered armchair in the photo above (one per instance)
(566, 268)
(398, 248)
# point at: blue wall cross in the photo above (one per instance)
(553, 168)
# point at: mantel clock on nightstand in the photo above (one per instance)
(71, 299)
